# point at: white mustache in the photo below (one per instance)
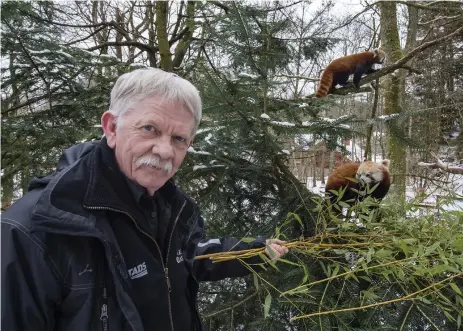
(154, 161)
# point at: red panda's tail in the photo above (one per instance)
(325, 84)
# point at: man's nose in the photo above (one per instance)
(164, 148)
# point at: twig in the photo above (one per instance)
(347, 273)
(313, 79)
(232, 307)
(407, 297)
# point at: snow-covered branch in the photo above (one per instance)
(441, 165)
(397, 65)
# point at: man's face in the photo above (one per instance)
(152, 140)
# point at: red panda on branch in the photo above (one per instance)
(339, 70)
(367, 173)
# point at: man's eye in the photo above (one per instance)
(148, 128)
(180, 139)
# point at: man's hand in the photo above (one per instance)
(274, 248)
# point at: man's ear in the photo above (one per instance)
(108, 123)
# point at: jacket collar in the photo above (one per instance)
(93, 182)
(109, 187)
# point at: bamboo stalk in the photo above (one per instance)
(224, 256)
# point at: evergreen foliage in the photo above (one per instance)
(53, 95)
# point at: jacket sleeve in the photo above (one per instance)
(30, 288)
(206, 270)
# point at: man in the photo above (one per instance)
(108, 241)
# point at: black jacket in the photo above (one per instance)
(63, 269)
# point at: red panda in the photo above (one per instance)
(367, 173)
(339, 70)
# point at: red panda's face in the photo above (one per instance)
(380, 55)
(372, 172)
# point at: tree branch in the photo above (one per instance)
(428, 6)
(137, 44)
(221, 5)
(447, 18)
(441, 165)
(313, 79)
(179, 20)
(85, 38)
(179, 36)
(416, 71)
(97, 25)
(36, 99)
(397, 65)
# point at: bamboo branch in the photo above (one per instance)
(232, 307)
(345, 274)
(231, 255)
(382, 303)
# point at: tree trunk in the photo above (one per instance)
(410, 44)
(393, 102)
(151, 34)
(161, 31)
(119, 36)
(182, 46)
(367, 155)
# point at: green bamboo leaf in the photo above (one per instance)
(431, 248)
(248, 239)
(296, 217)
(266, 259)
(455, 288)
(458, 244)
(335, 271)
(426, 301)
(459, 321)
(459, 300)
(383, 253)
(343, 204)
(370, 295)
(401, 275)
(409, 241)
(386, 275)
(336, 193)
(369, 254)
(268, 302)
(371, 190)
(256, 281)
(450, 317)
(324, 269)
(306, 274)
(288, 262)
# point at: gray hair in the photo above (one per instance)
(132, 87)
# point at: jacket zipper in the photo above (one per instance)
(164, 264)
(104, 315)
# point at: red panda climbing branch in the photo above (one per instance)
(339, 70)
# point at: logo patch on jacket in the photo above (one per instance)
(179, 257)
(138, 271)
